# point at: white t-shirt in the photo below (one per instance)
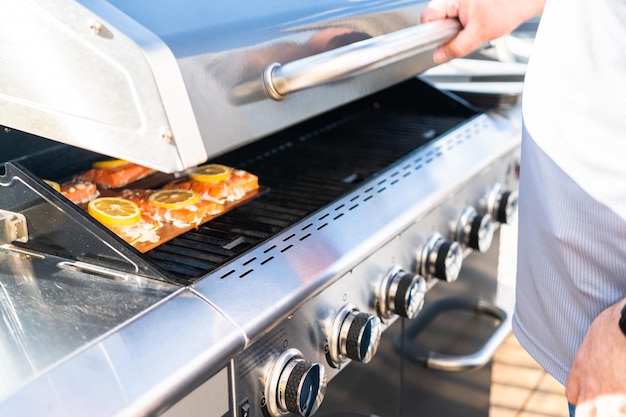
(572, 219)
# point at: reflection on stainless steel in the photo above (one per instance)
(175, 86)
(49, 313)
(349, 61)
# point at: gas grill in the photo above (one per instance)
(375, 187)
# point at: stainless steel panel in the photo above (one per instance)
(211, 399)
(170, 84)
(49, 312)
(67, 75)
(141, 368)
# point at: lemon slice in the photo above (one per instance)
(173, 199)
(54, 185)
(114, 211)
(210, 173)
(109, 163)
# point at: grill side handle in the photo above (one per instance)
(454, 363)
(356, 58)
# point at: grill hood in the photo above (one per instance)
(170, 84)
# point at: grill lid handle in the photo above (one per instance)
(356, 58)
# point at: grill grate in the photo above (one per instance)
(305, 168)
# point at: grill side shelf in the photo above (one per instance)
(55, 226)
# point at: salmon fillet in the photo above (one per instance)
(79, 192)
(117, 176)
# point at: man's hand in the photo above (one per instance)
(597, 381)
(482, 21)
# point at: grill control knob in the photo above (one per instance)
(354, 335)
(502, 204)
(294, 385)
(475, 231)
(441, 259)
(401, 293)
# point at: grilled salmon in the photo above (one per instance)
(79, 192)
(115, 175)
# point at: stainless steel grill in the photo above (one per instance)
(376, 186)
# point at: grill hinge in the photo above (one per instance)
(12, 227)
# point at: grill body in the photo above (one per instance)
(349, 195)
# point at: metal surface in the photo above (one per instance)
(83, 329)
(169, 84)
(58, 227)
(97, 89)
(141, 368)
(51, 311)
(354, 59)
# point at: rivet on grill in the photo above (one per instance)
(167, 135)
(96, 27)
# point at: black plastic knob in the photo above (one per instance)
(502, 204)
(294, 386)
(506, 207)
(303, 387)
(474, 230)
(448, 261)
(363, 336)
(440, 258)
(405, 294)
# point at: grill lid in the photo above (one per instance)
(169, 84)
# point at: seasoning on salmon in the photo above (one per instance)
(79, 192)
(179, 214)
(145, 230)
